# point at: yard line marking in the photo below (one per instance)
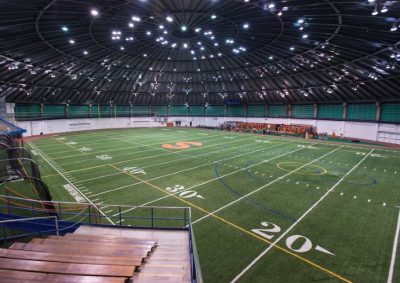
(156, 164)
(264, 186)
(394, 251)
(214, 138)
(209, 181)
(244, 230)
(64, 143)
(187, 169)
(147, 157)
(134, 159)
(66, 179)
(247, 268)
(99, 137)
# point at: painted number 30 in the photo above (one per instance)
(185, 194)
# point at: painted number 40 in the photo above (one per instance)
(296, 243)
(184, 194)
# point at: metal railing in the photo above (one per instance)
(4, 223)
(154, 217)
(195, 269)
(70, 214)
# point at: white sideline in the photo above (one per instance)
(214, 179)
(298, 220)
(394, 252)
(264, 186)
(48, 162)
(187, 169)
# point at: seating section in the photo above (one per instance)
(98, 254)
(6, 126)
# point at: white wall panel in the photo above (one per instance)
(358, 130)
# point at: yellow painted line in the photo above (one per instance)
(315, 265)
(52, 175)
(30, 180)
(70, 146)
(146, 157)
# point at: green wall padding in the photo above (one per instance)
(141, 110)
(256, 110)
(197, 111)
(78, 111)
(178, 111)
(53, 111)
(361, 111)
(105, 111)
(277, 110)
(27, 111)
(216, 110)
(100, 111)
(160, 110)
(122, 111)
(236, 111)
(390, 112)
(303, 111)
(330, 111)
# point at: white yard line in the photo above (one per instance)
(184, 170)
(48, 162)
(213, 138)
(264, 186)
(247, 268)
(154, 155)
(171, 161)
(212, 180)
(99, 138)
(394, 251)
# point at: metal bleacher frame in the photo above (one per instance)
(86, 214)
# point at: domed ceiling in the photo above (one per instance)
(195, 52)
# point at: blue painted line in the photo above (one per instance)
(249, 200)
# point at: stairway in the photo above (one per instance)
(100, 254)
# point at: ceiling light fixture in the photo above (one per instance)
(94, 12)
(375, 11)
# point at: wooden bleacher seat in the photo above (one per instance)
(107, 238)
(137, 250)
(13, 276)
(77, 250)
(67, 268)
(71, 258)
(100, 254)
(98, 242)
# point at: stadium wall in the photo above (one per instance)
(45, 127)
(389, 133)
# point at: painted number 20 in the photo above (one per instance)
(296, 243)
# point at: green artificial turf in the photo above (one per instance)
(332, 208)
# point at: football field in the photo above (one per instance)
(264, 208)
